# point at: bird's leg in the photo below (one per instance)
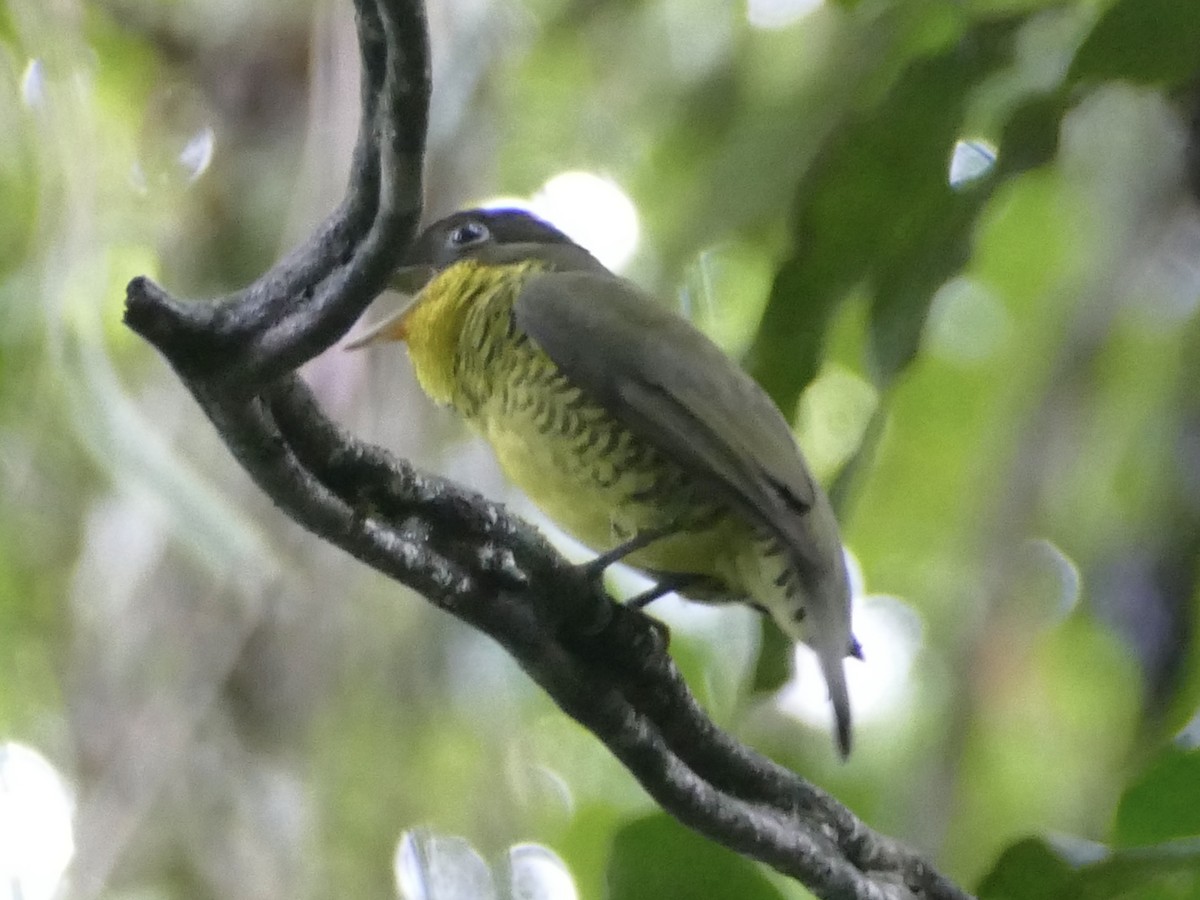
(596, 568)
(665, 586)
(594, 571)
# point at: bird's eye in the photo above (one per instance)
(468, 234)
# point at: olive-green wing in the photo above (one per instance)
(671, 385)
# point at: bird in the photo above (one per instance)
(625, 425)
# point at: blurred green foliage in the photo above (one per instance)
(997, 375)
(657, 857)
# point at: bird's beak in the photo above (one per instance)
(407, 280)
(393, 328)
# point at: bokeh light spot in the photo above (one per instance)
(435, 867)
(773, 14)
(966, 324)
(594, 212)
(197, 153)
(832, 417)
(177, 141)
(1046, 582)
(890, 634)
(36, 810)
(970, 160)
(33, 84)
(1164, 287)
(537, 873)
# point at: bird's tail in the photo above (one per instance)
(833, 668)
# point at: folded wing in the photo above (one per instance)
(669, 384)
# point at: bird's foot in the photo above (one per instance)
(592, 573)
(629, 621)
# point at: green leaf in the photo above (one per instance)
(877, 206)
(1036, 869)
(1164, 803)
(1027, 870)
(1169, 870)
(1143, 41)
(655, 858)
(1030, 136)
(774, 665)
(1072, 869)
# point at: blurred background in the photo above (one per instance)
(957, 240)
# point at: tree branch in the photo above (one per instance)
(606, 666)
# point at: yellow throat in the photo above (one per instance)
(433, 327)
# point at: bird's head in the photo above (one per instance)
(492, 237)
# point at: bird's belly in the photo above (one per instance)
(603, 486)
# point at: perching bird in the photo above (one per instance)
(626, 425)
